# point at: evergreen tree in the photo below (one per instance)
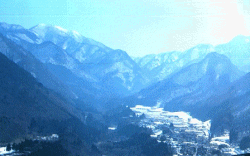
(8, 148)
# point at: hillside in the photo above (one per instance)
(28, 62)
(189, 87)
(232, 107)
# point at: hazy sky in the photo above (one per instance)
(139, 27)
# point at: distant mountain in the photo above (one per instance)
(164, 64)
(113, 68)
(160, 66)
(188, 88)
(18, 34)
(71, 41)
(209, 78)
(48, 52)
(238, 50)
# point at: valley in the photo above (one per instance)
(100, 101)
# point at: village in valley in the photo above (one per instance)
(185, 134)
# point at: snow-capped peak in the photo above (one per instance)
(77, 36)
(61, 29)
(44, 28)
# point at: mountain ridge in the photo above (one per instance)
(113, 71)
(202, 79)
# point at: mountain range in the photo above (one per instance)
(198, 80)
(107, 73)
(191, 84)
(160, 66)
(111, 73)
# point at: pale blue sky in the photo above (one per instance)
(139, 27)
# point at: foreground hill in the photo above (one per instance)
(29, 109)
(24, 99)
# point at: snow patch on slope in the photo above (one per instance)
(61, 29)
(25, 37)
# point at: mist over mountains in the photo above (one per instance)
(49, 73)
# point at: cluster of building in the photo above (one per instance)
(4, 151)
(187, 135)
(11, 152)
(53, 137)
